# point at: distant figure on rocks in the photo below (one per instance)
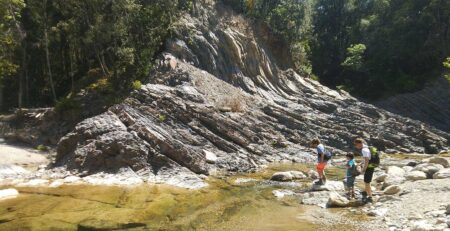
(351, 175)
(322, 158)
(370, 162)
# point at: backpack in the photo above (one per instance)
(327, 156)
(374, 157)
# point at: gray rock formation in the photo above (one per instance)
(430, 105)
(221, 88)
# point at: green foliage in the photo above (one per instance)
(446, 64)
(41, 148)
(119, 38)
(274, 143)
(67, 104)
(278, 143)
(162, 118)
(315, 77)
(354, 58)
(136, 85)
(344, 88)
(10, 36)
(291, 20)
(101, 86)
(105, 45)
(405, 42)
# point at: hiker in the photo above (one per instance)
(322, 158)
(352, 172)
(371, 160)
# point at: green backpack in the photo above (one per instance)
(374, 161)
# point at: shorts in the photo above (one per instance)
(321, 166)
(350, 181)
(368, 175)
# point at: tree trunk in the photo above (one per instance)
(47, 52)
(22, 35)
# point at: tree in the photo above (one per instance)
(354, 60)
(11, 37)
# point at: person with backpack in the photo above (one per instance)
(323, 156)
(371, 160)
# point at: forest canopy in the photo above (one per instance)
(51, 49)
(372, 48)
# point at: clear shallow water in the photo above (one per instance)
(222, 206)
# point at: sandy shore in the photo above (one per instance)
(21, 156)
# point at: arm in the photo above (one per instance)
(321, 157)
(366, 163)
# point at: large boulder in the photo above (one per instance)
(210, 157)
(391, 190)
(428, 168)
(316, 198)
(407, 168)
(313, 174)
(395, 171)
(297, 175)
(393, 180)
(336, 200)
(381, 178)
(416, 175)
(282, 176)
(440, 160)
(442, 174)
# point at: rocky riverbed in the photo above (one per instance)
(412, 193)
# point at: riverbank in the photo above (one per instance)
(226, 203)
(56, 198)
(22, 156)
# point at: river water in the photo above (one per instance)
(224, 205)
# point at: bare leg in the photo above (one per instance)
(368, 190)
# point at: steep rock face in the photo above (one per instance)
(430, 105)
(219, 91)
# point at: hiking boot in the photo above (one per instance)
(368, 200)
(319, 182)
(364, 194)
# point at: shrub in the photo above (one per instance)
(67, 104)
(136, 85)
(101, 86)
(233, 102)
(235, 105)
(42, 148)
(68, 108)
(344, 88)
(315, 77)
(162, 118)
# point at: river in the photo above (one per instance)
(225, 204)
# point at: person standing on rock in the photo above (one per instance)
(322, 159)
(350, 175)
(366, 168)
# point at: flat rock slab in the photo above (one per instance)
(329, 186)
(8, 194)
